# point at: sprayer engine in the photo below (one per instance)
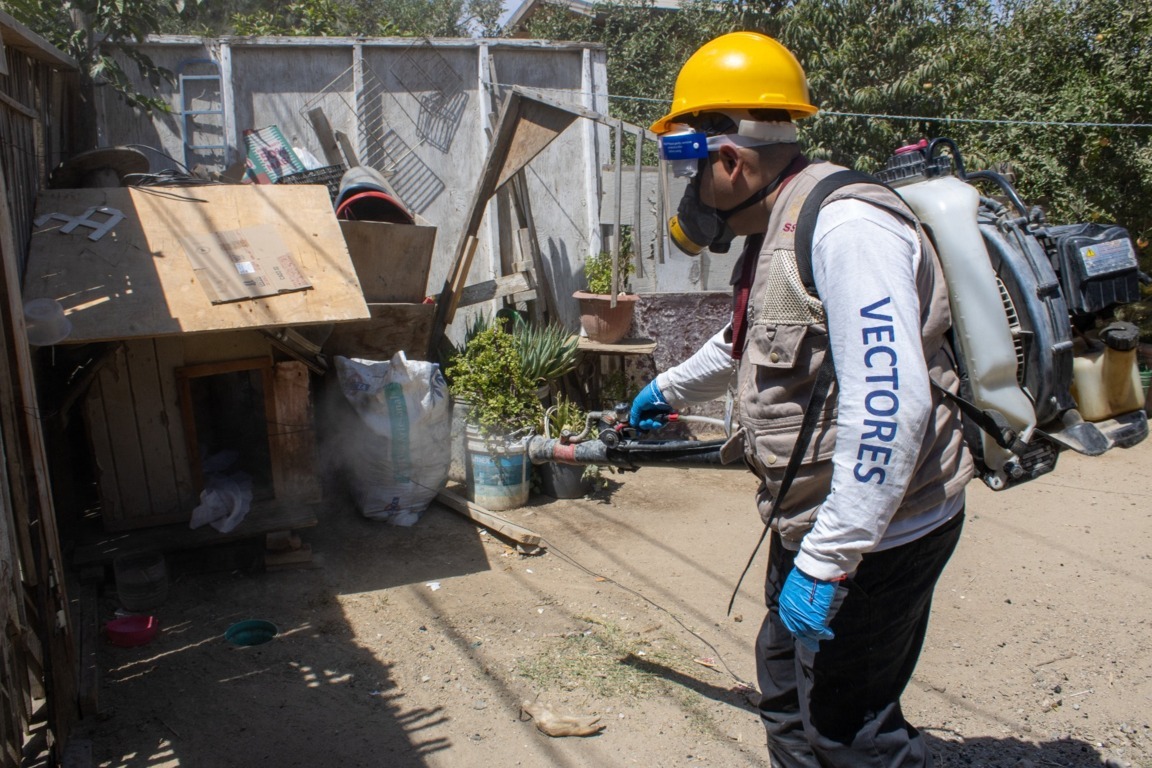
(1097, 266)
(1051, 367)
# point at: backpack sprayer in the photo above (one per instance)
(1043, 364)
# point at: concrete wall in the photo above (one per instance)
(681, 323)
(662, 268)
(419, 110)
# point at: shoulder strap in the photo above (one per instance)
(806, 221)
(824, 378)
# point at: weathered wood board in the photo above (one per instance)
(393, 327)
(137, 281)
(391, 260)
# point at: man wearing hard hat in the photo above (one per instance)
(864, 521)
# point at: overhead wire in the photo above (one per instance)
(871, 115)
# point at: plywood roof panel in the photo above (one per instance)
(136, 280)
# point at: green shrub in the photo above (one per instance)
(489, 375)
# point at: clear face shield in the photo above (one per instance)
(683, 164)
(685, 167)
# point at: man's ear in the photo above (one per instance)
(731, 158)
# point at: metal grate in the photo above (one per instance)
(354, 103)
(1017, 330)
(437, 88)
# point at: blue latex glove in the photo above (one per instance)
(649, 408)
(806, 607)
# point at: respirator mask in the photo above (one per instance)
(684, 166)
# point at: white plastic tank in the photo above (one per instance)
(948, 207)
(1106, 377)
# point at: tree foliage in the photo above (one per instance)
(1017, 66)
(352, 18)
(99, 33)
(1075, 61)
(929, 62)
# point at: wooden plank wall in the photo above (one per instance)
(133, 416)
(37, 652)
(292, 434)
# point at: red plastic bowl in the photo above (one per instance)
(131, 631)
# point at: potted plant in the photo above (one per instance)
(566, 421)
(503, 410)
(604, 317)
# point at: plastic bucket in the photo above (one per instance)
(372, 206)
(497, 471)
(141, 581)
(563, 481)
(45, 322)
(365, 195)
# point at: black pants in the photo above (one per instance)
(840, 706)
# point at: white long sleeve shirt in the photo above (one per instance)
(864, 263)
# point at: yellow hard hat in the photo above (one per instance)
(740, 70)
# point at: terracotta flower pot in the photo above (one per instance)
(602, 322)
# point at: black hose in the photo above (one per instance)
(631, 454)
(678, 453)
(957, 158)
(1005, 185)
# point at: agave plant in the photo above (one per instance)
(547, 352)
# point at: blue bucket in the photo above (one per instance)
(497, 472)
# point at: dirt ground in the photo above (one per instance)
(417, 646)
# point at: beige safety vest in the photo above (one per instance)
(785, 344)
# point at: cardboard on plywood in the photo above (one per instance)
(137, 281)
(244, 263)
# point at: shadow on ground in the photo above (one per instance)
(1012, 753)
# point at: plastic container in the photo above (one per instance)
(1106, 380)
(497, 472)
(365, 195)
(948, 207)
(45, 322)
(141, 581)
(329, 176)
(251, 632)
(563, 481)
(131, 631)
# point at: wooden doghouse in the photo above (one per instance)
(197, 286)
(159, 408)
